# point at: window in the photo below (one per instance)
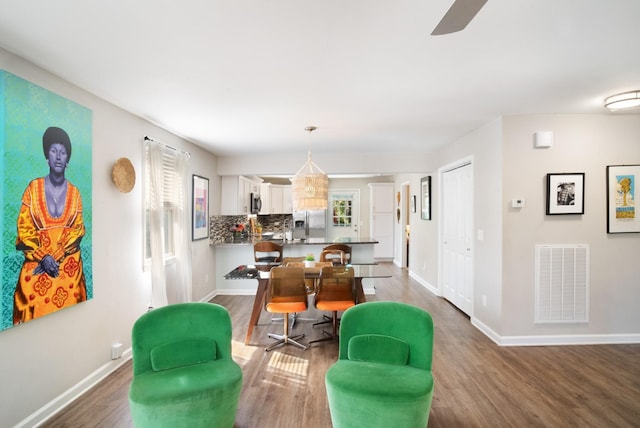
(342, 212)
(171, 200)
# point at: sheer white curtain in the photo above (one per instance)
(168, 207)
(182, 232)
(155, 151)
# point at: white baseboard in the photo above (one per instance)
(486, 330)
(236, 292)
(424, 283)
(556, 340)
(574, 339)
(210, 296)
(60, 402)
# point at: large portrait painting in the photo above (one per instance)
(45, 163)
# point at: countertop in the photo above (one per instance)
(249, 241)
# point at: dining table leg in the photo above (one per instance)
(258, 304)
(359, 291)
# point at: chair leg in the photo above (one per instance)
(333, 336)
(283, 339)
(326, 320)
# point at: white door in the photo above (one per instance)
(381, 226)
(343, 214)
(457, 239)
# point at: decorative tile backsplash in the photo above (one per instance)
(220, 225)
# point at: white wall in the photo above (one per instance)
(55, 357)
(582, 143)
(353, 163)
(507, 166)
(483, 148)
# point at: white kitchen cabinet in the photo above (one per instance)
(276, 199)
(287, 200)
(381, 221)
(236, 193)
(265, 195)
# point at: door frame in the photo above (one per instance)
(405, 221)
(468, 160)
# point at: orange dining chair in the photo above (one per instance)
(293, 261)
(286, 294)
(335, 293)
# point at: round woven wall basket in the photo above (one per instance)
(123, 175)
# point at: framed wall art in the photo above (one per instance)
(413, 203)
(565, 193)
(425, 198)
(200, 222)
(622, 213)
(46, 202)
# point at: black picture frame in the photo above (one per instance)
(200, 208)
(565, 193)
(425, 198)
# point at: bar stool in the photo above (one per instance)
(267, 251)
(266, 254)
(332, 252)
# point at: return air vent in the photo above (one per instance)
(562, 283)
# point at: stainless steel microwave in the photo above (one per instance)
(256, 203)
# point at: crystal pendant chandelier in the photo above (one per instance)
(310, 185)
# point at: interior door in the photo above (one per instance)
(457, 239)
(343, 214)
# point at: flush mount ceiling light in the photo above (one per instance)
(310, 185)
(621, 101)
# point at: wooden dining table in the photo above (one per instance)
(261, 274)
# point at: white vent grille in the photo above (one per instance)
(562, 283)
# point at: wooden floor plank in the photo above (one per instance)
(477, 383)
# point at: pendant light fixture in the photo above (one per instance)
(621, 101)
(310, 185)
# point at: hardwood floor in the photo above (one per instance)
(477, 383)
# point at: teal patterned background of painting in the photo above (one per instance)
(26, 111)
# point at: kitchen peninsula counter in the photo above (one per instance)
(296, 242)
(229, 255)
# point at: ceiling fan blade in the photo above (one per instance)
(458, 16)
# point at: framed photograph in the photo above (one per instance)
(425, 198)
(565, 193)
(413, 203)
(200, 208)
(622, 216)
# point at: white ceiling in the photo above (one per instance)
(249, 75)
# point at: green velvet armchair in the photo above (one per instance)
(183, 373)
(383, 374)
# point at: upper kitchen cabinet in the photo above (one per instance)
(265, 195)
(276, 199)
(381, 222)
(236, 193)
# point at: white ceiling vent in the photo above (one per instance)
(562, 283)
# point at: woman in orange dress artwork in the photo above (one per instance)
(50, 228)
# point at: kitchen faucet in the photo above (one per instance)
(286, 227)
